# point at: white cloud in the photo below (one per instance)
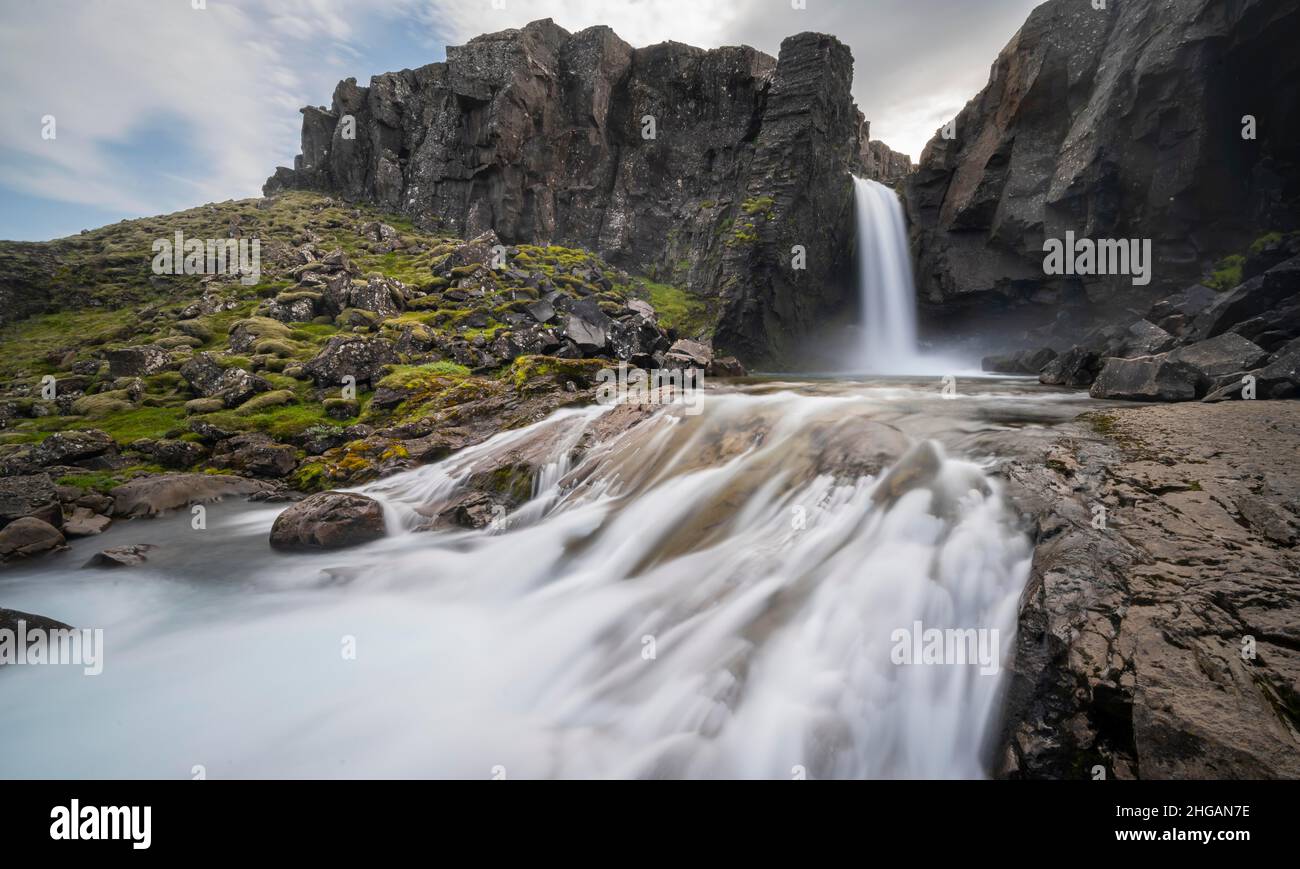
(229, 78)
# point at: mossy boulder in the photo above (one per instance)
(244, 334)
(204, 405)
(267, 401)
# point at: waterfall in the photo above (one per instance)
(885, 284)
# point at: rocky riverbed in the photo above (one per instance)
(1159, 631)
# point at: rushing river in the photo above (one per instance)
(711, 595)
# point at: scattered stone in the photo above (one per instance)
(329, 520)
(131, 555)
(1078, 367)
(85, 522)
(28, 537)
(137, 361)
(69, 447)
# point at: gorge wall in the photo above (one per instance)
(543, 135)
(1117, 123)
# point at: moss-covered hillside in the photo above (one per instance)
(365, 346)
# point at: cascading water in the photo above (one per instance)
(885, 284)
(697, 596)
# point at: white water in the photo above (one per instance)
(527, 649)
(886, 288)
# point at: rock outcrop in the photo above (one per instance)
(1158, 633)
(1119, 123)
(698, 168)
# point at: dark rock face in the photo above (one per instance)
(1118, 123)
(718, 161)
(329, 520)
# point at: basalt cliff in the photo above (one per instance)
(700, 169)
(1118, 123)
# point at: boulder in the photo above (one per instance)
(30, 495)
(351, 355)
(1145, 338)
(477, 251)
(70, 447)
(1146, 378)
(1256, 297)
(203, 374)
(1216, 357)
(329, 520)
(1077, 367)
(379, 295)
(137, 361)
(27, 537)
(255, 454)
(149, 496)
(175, 454)
(244, 334)
(688, 354)
(1280, 378)
(727, 366)
(587, 326)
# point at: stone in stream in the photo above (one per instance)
(9, 620)
(329, 520)
(131, 555)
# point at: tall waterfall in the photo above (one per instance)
(885, 282)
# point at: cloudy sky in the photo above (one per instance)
(159, 106)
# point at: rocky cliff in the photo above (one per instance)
(700, 169)
(1119, 123)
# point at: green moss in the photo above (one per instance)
(411, 376)
(102, 404)
(1227, 273)
(204, 405)
(758, 205)
(675, 308)
(141, 422)
(275, 347)
(266, 401)
(94, 481)
(527, 370)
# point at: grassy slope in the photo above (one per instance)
(105, 296)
